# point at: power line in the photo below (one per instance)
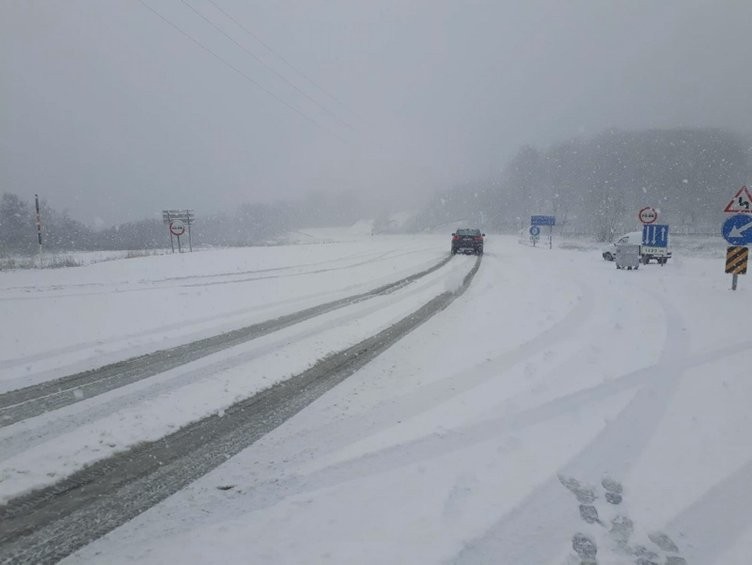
(240, 72)
(280, 57)
(272, 69)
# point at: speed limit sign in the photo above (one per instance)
(648, 215)
(177, 228)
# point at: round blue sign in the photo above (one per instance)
(534, 230)
(737, 230)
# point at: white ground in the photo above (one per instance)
(447, 447)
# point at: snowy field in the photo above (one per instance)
(559, 405)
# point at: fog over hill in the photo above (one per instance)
(594, 186)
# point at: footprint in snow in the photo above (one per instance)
(661, 549)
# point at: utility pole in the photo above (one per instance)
(39, 228)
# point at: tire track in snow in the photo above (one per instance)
(547, 508)
(612, 452)
(55, 287)
(376, 256)
(52, 353)
(120, 353)
(537, 506)
(49, 354)
(31, 401)
(389, 254)
(49, 524)
(268, 493)
(712, 518)
(153, 287)
(345, 430)
(14, 442)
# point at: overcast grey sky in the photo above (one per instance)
(109, 111)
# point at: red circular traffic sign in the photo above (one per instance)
(648, 215)
(177, 228)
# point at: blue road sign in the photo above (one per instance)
(534, 231)
(543, 220)
(655, 235)
(737, 230)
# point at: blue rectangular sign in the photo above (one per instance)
(655, 235)
(542, 220)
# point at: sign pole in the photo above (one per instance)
(734, 278)
(39, 228)
(172, 242)
(190, 243)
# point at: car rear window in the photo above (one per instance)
(468, 232)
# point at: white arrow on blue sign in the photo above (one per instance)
(655, 235)
(737, 230)
(534, 230)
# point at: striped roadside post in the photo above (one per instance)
(736, 262)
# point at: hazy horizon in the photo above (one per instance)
(114, 112)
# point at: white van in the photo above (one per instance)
(659, 255)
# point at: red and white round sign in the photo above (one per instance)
(648, 215)
(177, 228)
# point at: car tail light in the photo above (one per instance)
(478, 238)
(455, 237)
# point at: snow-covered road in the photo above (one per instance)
(557, 400)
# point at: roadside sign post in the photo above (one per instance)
(655, 241)
(549, 221)
(741, 203)
(648, 215)
(177, 228)
(534, 232)
(39, 227)
(178, 221)
(737, 231)
(655, 235)
(736, 263)
(172, 242)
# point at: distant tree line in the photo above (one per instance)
(249, 224)
(596, 186)
(593, 186)
(18, 232)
